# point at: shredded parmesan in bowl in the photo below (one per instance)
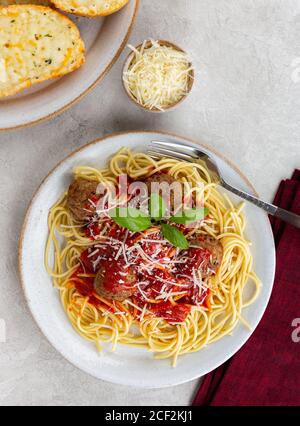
(158, 75)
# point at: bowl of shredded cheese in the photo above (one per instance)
(158, 75)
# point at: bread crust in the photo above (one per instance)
(115, 7)
(5, 3)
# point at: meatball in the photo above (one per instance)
(157, 184)
(205, 254)
(80, 194)
(115, 282)
(214, 246)
(159, 178)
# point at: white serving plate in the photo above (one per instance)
(131, 366)
(104, 38)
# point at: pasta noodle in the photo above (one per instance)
(128, 323)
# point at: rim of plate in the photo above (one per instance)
(90, 88)
(82, 148)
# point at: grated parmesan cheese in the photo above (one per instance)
(158, 76)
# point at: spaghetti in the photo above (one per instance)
(179, 300)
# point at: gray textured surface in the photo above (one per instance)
(245, 103)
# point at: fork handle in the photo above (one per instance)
(285, 215)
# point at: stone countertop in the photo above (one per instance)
(246, 103)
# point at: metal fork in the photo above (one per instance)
(180, 151)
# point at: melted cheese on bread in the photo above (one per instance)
(36, 44)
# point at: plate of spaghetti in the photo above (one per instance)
(143, 271)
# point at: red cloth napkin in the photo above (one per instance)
(266, 371)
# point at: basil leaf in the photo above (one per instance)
(175, 236)
(157, 207)
(189, 216)
(131, 218)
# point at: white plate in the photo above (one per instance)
(130, 366)
(104, 39)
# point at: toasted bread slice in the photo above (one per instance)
(38, 2)
(36, 44)
(90, 8)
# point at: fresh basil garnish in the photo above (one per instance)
(175, 236)
(131, 218)
(137, 221)
(157, 207)
(189, 216)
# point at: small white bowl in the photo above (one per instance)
(127, 66)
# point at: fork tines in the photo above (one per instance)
(159, 149)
